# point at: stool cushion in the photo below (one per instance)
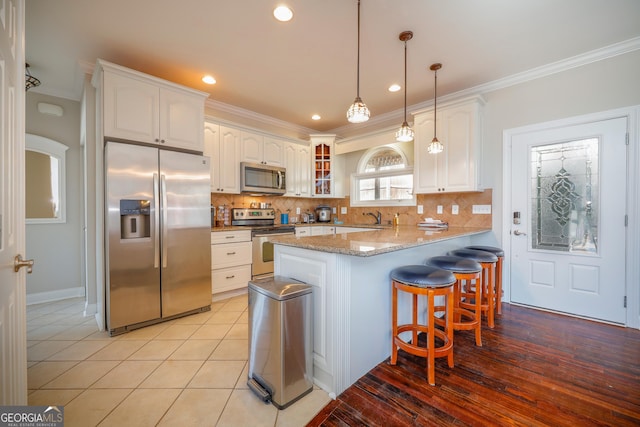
(455, 264)
(423, 276)
(496, 251)
(476, 255)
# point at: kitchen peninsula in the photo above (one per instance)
(352, 292)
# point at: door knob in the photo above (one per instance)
(18, 263)
(519, 233)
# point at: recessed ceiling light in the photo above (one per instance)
(283, 13)
(316, 117)
(394, 88)
(210, 80)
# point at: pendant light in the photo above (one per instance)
(436, 146)
(358, 112)
(405, 133)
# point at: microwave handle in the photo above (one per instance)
(280, 180)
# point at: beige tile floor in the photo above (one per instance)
(188, 371)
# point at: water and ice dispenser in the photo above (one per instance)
(135, 219)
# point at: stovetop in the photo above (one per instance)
(262, 220)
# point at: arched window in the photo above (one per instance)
(44, 180)
(384, 178)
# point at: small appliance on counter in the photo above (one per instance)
(308, 217)
(324, 213)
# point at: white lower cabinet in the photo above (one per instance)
(230, 260)
(344, 230)
(321, 230)
(303, 231)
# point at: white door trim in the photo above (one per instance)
(633, 199)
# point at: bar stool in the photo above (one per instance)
(464, 270)
(432, 282)
(487, 282)
(500, 254)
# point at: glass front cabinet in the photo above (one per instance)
(323, 166)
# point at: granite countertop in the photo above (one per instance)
(384, 240)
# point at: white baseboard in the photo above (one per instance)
(90, 309)
(99, 321)
(57, 295)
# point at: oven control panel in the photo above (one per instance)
(253, 214)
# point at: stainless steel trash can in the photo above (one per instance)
(280, 340)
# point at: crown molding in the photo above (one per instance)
(260, 118)
(383, 120)
(543, 71)
(587, 58)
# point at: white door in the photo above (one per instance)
(13, 341)
(569, 191)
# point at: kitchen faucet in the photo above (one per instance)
(377, 216)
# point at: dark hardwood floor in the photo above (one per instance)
(535, 368)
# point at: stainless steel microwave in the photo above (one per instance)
(257, 178)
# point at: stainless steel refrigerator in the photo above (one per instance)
(158, 235)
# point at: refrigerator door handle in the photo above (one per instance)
(163, 190)
(156, 220)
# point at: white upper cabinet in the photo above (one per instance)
(325, 171)
(222, 145)
(298, 165)
(456, 169)
(260, 149)
(143, 108)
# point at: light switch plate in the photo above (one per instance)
(454, 209)
(334, 210)
(439, 209)
(420, 209)
(481, 209)
(343, 210)
(297, 211)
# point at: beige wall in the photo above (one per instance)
(57, 248)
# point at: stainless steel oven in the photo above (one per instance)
(262, 250)
(263, 229)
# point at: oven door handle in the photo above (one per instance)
(274, 234)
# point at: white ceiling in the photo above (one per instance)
(290, 71)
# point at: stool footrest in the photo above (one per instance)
(471, 321)
(415, 349)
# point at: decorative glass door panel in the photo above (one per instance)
(322, 159)
(565, 196)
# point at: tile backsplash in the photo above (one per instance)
(408, 214)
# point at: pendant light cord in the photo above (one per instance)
(435, 102)
(358, 64)
(405, 81)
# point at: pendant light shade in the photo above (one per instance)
(358, 112)
(405, 133)
(436, 146)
